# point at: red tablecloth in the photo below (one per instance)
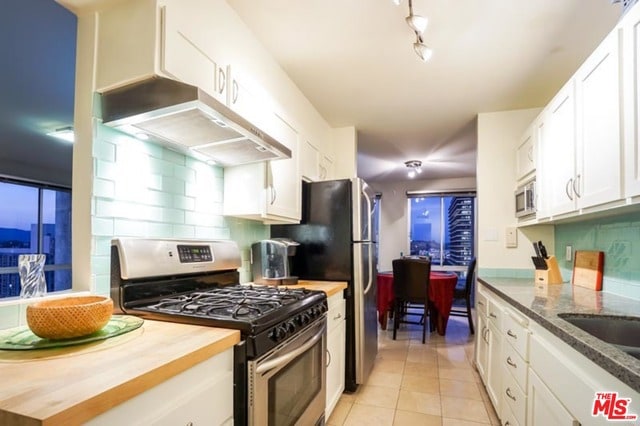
(441, 288)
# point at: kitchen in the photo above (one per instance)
(122, 216)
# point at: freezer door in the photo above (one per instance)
(363, 207)
(365, 312)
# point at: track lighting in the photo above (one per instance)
(418, 24)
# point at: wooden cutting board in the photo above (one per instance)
(587, 269)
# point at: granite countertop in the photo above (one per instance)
(543, 303)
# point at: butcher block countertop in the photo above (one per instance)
(68, 386)
(329, 287)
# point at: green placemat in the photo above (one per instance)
(22, 338)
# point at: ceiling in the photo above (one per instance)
(354, 61)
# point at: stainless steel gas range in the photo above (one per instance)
(279, 371)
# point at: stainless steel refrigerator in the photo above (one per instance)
(337, 243)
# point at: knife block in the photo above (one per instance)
(551, 275)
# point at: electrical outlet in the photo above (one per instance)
(568, 253)
(511, 237)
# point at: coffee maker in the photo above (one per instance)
(271, 261)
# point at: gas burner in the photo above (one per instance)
(237, 302)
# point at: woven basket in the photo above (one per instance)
(69, 317)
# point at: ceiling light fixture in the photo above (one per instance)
(418, 24)
(64, 133)
(414, 168)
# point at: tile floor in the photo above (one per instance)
(420, 384)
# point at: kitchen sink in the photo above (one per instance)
(622, 332)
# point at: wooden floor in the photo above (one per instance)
(420, 384)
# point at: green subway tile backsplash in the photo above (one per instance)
(146, 190)
(619, 238)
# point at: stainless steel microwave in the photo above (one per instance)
(525, 197)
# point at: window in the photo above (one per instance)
(34, 219)
(442, 226)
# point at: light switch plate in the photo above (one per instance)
(511, 237)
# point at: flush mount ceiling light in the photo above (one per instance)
(414, 168)
(418, 24)
(64, 133)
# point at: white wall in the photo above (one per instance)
(394, 226)
(345, 152)
(499, 135)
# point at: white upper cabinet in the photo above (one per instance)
(309, 161)
(581, 147)
(559, 151)
(327, 169)
(140, 39)
(599, 145)
(270, 192)
(248, 99)
(526, 154)
(187, 53)
(631, 99)
(542, 197)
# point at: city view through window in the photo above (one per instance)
(34, 220)
(442, 227)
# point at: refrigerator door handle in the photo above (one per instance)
(370, 283)
(366, 196)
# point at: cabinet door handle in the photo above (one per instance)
(480, 303)
(566, 188)
(530, 153)
(328, 358)
(337, 316)
(511, 363)
(222, 80)
(576, 185)
(492, 315)
(508, 392)
(507, 423)
(234, 92)
(510, 334)
(274, 194)
(486, 333)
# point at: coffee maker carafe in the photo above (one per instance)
(271, 261)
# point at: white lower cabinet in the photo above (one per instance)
(336, 341)
(544, 408)
(543, 381)
(201, 395)
(489, 344)
(482, 342)
(515, 344)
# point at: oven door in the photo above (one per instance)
(288, 385)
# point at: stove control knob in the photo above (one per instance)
(278, 333)
(305, 318)
(291, 327)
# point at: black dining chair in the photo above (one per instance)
(411, 290)
(463, 294)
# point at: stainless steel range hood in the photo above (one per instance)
(186, 118)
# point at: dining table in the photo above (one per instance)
(442, 286)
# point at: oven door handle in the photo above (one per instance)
(284, 359)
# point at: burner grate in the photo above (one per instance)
(237, 302)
